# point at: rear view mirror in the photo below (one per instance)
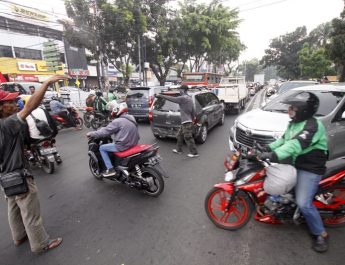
(343, 116)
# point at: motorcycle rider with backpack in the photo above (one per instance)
(124, 131)
(305, 141)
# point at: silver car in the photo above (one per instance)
(266, 124)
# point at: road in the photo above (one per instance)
(104, 223)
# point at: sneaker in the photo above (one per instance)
(193, 155)
(320, 243)
(109, 173)
(177, 151)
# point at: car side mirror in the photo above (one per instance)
(343, 116)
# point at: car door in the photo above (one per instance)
(217, 108)
(336, 134)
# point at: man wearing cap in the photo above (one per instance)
(187, 116)
(23, 209)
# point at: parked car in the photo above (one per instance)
(266, 124)
(140, 99)
(281, 88)
(165, 115)
(23, 88)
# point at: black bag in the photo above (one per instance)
(43, 127)
(14, 183)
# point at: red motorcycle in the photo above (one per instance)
(73, 114)
(229, 205)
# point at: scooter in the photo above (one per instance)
(72, 112)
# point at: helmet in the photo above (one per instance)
(119, 108)
(306, 104)
(54, 97)
(99, 93)
(92, 92)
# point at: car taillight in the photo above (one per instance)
(150, 101)
(150, 114)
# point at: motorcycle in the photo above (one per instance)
(43, 154)
(72, 112)
(229, 205)
(100, 119)
(88, 116)
(138, 168)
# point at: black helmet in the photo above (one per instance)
(306, 104)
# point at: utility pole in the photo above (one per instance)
(139, 59)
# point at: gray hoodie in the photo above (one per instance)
(186, 106)
(124, 132)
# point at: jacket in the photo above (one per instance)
(306, 143)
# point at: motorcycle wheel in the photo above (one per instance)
(48, 166)
(79, 122)
(338, 194)
(95, 123)
(94, 168)
(238, 214)
(157, 183)
(87, 120)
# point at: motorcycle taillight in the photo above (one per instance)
(46, 144)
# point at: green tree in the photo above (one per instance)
(320, 36)
(313, 62)
(336, 48)
(283, 53)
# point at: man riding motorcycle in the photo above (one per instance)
(124, 131)
(57, 108)
(305, 141)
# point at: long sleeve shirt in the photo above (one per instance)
(187, 109)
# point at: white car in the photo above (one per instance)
(268, 123)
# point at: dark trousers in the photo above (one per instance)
(186, 133)
(67, 118)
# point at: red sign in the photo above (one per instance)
(78, 72)
(22, 78)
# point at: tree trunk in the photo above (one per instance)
(342, 76)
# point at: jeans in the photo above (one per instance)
(104, 149)
(307, 186)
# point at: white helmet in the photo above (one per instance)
(116, 108)
(92, 92)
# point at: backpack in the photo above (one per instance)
(42, 127)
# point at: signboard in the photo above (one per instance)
(30, 13)
(22, 78)
(78, 72)
(26, 66)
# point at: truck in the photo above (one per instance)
(259, 78)
(233, 93)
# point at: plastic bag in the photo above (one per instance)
(281, 178)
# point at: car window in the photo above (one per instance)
(162, 104)
(143, 94)
(290, 85)
(207, 99)
(328, 102)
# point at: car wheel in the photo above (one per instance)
(222, 119)
(202, 134)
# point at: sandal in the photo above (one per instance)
(52, 243)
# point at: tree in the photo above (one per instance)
(336, 48)
(250, 68)
(313, 62)
(283, 53)
(320, 36)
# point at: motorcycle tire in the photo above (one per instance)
(79, 122)
(96, 123)
(153, 176)
(87, 120)
(48, 166)
(338, 193)
(95, 170)
(238, 214)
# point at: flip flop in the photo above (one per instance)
(52, 243)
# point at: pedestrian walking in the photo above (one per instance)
(15, 178)
(187, 117)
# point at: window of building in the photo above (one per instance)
(6, 51)
(25, 53)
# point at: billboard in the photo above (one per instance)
(76, 60)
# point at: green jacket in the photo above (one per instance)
(306, 143)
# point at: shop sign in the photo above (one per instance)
(28, 12)
(22, 78)
(26, 66)
(78, 72)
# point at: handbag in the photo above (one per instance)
(14, 183)
(43, 127)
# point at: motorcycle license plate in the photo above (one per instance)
(136, 105)
(47, 151)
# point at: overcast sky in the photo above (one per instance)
(263, 20)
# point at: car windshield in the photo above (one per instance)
(162, 104)
(284, 87)
(133, 93)
(328, 101)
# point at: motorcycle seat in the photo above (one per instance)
(89, 108)
(133, 150)
(334, 166)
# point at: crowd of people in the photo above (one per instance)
(305, 141)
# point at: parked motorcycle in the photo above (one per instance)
(88, 116)
(229, 205)
(72, 112)
(43, 154)
(138, 168)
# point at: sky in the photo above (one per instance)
(262, 20)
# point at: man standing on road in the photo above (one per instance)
(187, 116)
(23, 209)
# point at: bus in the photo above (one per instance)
(210, 80)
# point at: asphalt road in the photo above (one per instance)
(105, 223)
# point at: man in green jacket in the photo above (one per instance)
(305, 143)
